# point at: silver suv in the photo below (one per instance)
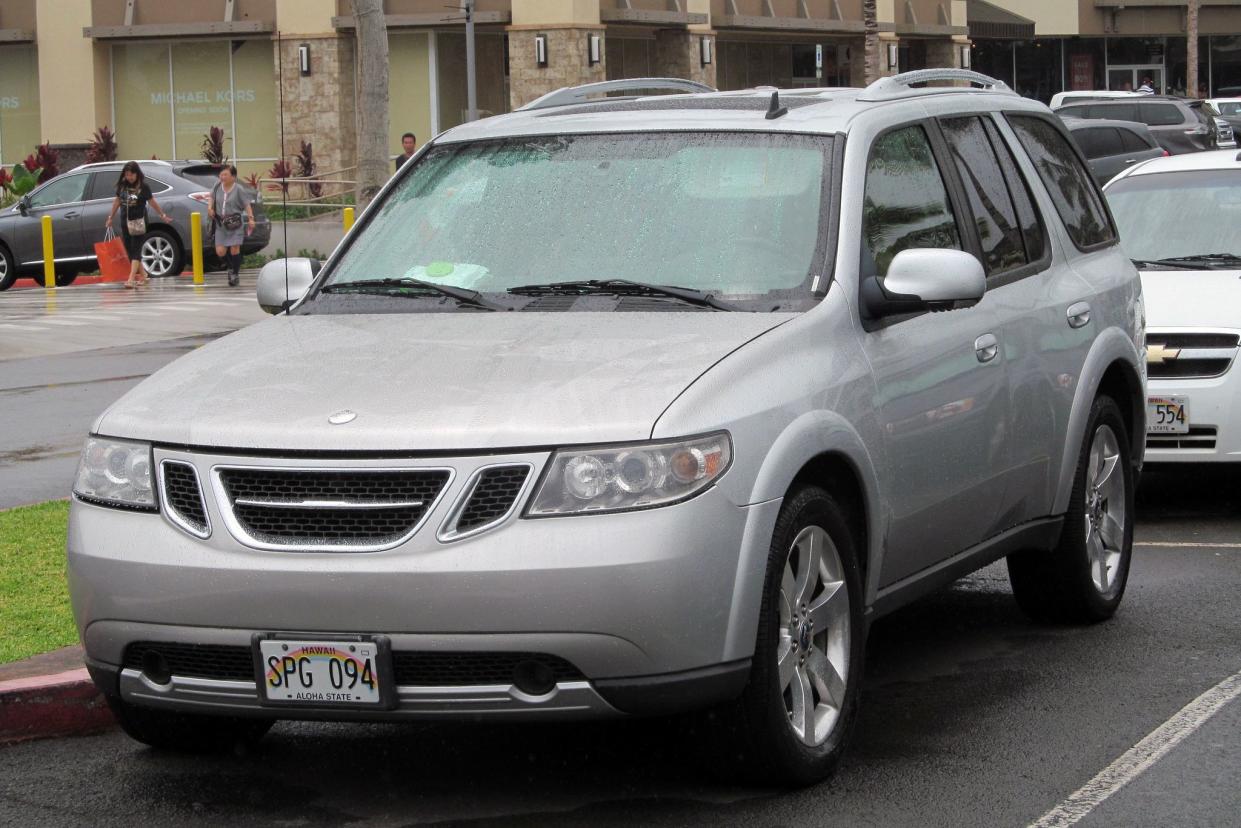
(631, 406)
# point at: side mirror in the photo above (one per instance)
(283, 282)
(23, 205)
(925, 279)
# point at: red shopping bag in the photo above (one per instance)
(113, 262)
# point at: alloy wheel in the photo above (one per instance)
(1105, 509)
(4, 267)
(157, 256)
(812, 654)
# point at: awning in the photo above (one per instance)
(987, 21)
(16, 36)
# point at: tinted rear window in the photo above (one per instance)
(1160, 114)
(1136, 141)
(205, 175)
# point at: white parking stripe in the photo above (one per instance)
(1142, 755)
(1190, 545)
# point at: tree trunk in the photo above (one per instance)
(372, 34)
(870, 19)
(1191, 49)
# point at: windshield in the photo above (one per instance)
(738, 216)
(1229, 108)
(1178, 214)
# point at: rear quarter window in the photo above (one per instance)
(1160, 114)
(1071, 187)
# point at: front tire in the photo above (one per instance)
(187, 732)
(8, 268)
(794, 718)
(161, 254)
(1083, 579)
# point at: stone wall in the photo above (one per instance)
(678, 54)
(320, 108)
(567, 63)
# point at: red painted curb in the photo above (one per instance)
(64, 704)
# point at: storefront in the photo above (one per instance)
(19, 101)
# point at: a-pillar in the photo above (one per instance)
(568, 26)
(679, 53)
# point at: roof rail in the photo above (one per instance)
(900, 86)
(582, 94)
(94, 164)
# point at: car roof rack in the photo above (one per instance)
(94, 164)
(902, 85)
(569, 95)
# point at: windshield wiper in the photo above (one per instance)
(1162, 263)
(625, 287)
(1210, 258)
(391, 287)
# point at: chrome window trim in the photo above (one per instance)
(172, 515)
(245, 538)
(448, 529)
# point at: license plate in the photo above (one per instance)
(1167, 415)
(321, 672)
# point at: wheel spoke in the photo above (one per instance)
(1096, 462)
(808, 551)
(786, 665)
(803, 706)
(831, 604)
(788, 587)
(826, 677)
(1111, 533)
(1107, 470)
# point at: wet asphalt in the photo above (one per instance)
(971, 714)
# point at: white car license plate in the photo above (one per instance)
(320, 672)
(1167, 415)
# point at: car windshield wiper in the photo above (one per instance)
(1209, 258)
(625, 287)
(1162, 263)
(394, 287)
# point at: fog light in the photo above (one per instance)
(155, 667)
(534, 678)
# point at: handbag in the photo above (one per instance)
(112, 258)
(231, 222)
(136, 227)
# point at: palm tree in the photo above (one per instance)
(1191, 49)
(870, 19)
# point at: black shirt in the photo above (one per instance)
(134, 200)
(402, 160)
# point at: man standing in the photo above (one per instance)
(1146, 88)
(409, 143)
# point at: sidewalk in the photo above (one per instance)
(49, 695)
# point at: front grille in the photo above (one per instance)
(1198, 437)
(348, 508)
(183, 497)
(1192, 355)
(493, 496)
(231, 662)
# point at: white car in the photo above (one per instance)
(1178, 220)
(1064, 98)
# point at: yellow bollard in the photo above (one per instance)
(348, 219)
(49, 255)
(196, 245)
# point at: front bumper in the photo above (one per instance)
(654, 608)
(1214, 421)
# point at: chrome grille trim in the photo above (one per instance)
(171, 513)
(1198, 354)
(235, 527)
(448, 530)
(330, 504)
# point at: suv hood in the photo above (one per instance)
(431, 381)
(1192, 299)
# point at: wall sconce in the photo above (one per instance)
(303, 58)
(893, 56)
(705, 51)
(594, 49)
(965, 57)
(540, 51)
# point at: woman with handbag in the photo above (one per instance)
(133, 193)
(229, 201)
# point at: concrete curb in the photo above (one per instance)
(61, 704)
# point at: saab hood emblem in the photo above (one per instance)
(342, 417)
(1159, 353)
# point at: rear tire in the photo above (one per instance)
(187, 732)
(65, 279)
(793, 720)
(1083, 579)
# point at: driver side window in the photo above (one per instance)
(65, 190)
(906, 203)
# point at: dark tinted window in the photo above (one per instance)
(906, 204)
(1078, 111)
(1159, 114)
(157, 186)
(207, 175)
(1099, 142)
(1134, 141)
(993, 212)
(102, 184)
(1072, 189)
(67, 189)
(1032, 230)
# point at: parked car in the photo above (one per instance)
(78, 202)
(1111, 146)
(1064, 98)
(1178, 218)
(1178, 124)
(594, 414)
(1229, 109)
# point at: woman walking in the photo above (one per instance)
(229, 201)
(133, 193)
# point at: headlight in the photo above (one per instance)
(632, 476)
(116, 472)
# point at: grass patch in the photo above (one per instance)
(34, 596)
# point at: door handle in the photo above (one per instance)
(1079, 315)
(986, 347)
(1131, 160)
(71, 215)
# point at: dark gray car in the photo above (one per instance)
(1179, 124)
(79, 201)
(1112, 146)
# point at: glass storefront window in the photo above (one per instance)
(409, 101)
(491, 79)
(19, 102)
(142, 100)
(629, 57)
(1085, 63)
(993, 58)
(201, 95)
(1175, 63)
(254, 100)
(1226, 66)
(1038, 68)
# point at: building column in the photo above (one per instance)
(319, 108)
(75, 96)
(944, 53)
(678, 54)
(889, 47)
(568, 61)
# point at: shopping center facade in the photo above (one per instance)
(161, 73)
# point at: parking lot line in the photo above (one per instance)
(1141, 756)
(1188, 545)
